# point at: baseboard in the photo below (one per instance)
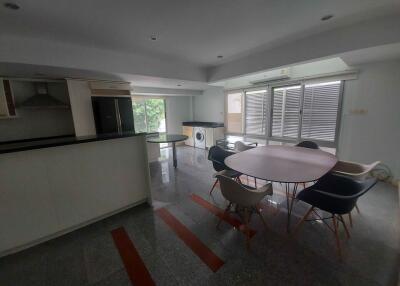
(68, 230)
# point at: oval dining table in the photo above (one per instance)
(283, 164)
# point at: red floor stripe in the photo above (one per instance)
(198, 247)
(137, 271)
(220, 213)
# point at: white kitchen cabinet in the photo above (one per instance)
(212, 135)
(188, 131)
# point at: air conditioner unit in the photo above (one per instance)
(110, 88)
(278, 75)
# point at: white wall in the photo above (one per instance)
(35, 123)
(375, 135)
(178, 109)
(210, 105)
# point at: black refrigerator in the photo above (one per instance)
(113, 114)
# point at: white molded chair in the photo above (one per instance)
(240, 147)
(354, 170)
(245, 199)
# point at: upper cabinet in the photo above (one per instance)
(110, 88)
(7, 106)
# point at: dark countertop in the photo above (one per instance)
(25, 145)
(203, 124)
(166, 138)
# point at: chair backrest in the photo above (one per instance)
(217, 156)
(343, 192)
(239, 194)
(240, 146)
(354, 170)
(308, 144)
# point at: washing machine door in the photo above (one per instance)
(199, 136)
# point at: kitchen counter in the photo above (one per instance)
(47, 192)
(24, 145)
(203, 124)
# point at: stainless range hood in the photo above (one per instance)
(42, 99)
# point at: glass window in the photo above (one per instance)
(149, 114)
(234, 112)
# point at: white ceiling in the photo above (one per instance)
(192, 30)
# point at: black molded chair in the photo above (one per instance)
(217, 156)
(308, 144)
(336, 195)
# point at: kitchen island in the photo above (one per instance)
(51, 187)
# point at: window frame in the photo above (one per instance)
(333, 144)
(135, 97)
(265, 111)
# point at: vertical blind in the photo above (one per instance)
(320, 108)
(255, 112)
(286, 111)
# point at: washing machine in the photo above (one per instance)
(199, 137)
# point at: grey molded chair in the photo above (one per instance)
(245, 200)
(308, 144)
(217, 156)
(336, 195)
(356, 171)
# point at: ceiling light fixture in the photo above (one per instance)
(153, 37)
(11, 6)
(327, 17)
(220, 56)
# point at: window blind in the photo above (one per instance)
(286, 111)
(320, 108)
(255, 112)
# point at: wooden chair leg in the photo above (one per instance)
(216, 181)
(298, 225)
(335, 227)
(350, 219)
(358, 210)
(246, 225)
(261, 217)
(345, 226)
(224, 214)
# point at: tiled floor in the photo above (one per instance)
(89, 256)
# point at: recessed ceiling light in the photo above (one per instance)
(327, 17)
(220, 56)
(11, 6)
(153, 37)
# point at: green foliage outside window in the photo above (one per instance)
(149, 115)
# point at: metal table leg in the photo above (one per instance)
(174, 154)
(289, 202)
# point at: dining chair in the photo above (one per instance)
(336, 195)
(240, 146)
(308, 144)
(217, 156)
(355, 171)
(245, 200)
